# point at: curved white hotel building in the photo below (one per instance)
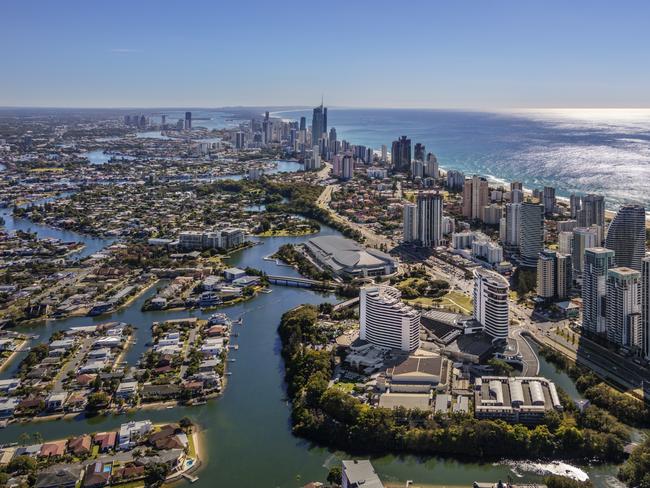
(386, 321)
(491, 303)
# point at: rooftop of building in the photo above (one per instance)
(345, 253)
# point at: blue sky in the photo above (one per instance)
(428, 54)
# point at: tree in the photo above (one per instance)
(335, 477)
(500, 367)
(22, 465)
(97, 400)
(636, 470)
(186, 423)
(155, 474)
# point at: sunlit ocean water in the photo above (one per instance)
(604, 151)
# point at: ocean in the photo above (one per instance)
(604, 151)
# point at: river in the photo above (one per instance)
(247, 433)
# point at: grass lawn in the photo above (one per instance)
(191, 452)
(95, 451)
(345, 386)
(424, 302)
(457, 301)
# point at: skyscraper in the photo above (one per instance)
(429, 216)
(410, 222)
(623, 310)
(516, 196)
(549, 200)
(303, 123)
(431, 166)
(532, 233)
(575, 204)
(583, 238)
(419, 151)
(565, 242)
(401, 154)
(318, 123)
(188, 120)
(563, 275)
(592, 212)
(597, 263)
(475, 197)
(384, 320)
(546, 275)
(626, 236)
(491, 303)
(455, 180)
(645, 305)
(513, 227)
(553, 275)
(347, 167)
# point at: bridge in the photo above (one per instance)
(301, 282)
(345, 304)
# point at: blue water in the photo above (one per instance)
(98, 156)
(601, 151)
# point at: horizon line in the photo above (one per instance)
(278, 108)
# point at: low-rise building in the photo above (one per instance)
(516, 400)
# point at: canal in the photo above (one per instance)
(247, 437)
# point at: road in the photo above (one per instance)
(72, 364)
(372, 239)
(530, 359)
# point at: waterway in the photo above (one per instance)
(99, 156)
(247, 434)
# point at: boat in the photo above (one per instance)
(218, 319)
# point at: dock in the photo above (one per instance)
(190, 478)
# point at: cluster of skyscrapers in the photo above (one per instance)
(616, 283)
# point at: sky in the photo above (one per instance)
(356, 53)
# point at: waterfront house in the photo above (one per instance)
(208, 365)
(81, 445)
(126, 390)
(31, 451)
(127, 473)
(174, 458)
(358, 473)
(55, 401)
(53, 449)
(232, 274)
(131, 432)
(245, 281)
(159, 392)
(8, 406)
(216, 331)
(105, 440)
(7, 455)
